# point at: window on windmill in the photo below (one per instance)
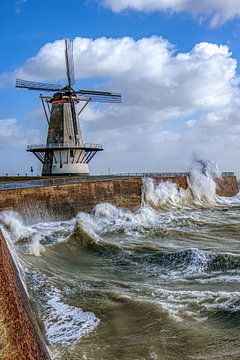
(60, 166)
(71, 153)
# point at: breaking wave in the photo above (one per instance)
(83, 239)
(11, 222)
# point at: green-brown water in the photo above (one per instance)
(161, 283)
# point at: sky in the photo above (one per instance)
(175, 62)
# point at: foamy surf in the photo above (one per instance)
(64, 324)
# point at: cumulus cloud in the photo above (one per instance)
(13, 141)
(173, 103)
(145, 69)
(218, 11)
(12, 134)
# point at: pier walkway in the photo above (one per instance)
(79, 179)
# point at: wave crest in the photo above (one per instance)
(83, 239)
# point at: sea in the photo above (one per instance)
(162, 282)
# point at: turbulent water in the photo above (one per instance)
(160, 283)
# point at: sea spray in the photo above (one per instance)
(201, 189)
(202, 178)
(19, 234)
(12, 222)
(162, 196)
(13, 231)
(205, 166)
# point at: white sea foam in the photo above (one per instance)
(66, 324)
(108, 210)
(196, 304)
(32, 239)
(197, 265)
(201, 191)
(214, 278)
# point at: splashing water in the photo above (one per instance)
(201, 180)
(201, 191)
(12, 222)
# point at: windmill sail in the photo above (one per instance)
(99, 96)
(40, 86)
(69, 62)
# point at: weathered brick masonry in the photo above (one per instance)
(65, 201)
(23, 337)
(227, 186)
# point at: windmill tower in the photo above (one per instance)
(65, 153)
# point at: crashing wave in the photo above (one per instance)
(11, 222)
(84, 239)
(201, 191)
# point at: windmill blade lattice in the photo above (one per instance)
(99, 96)
(32, 85)
(69, 62)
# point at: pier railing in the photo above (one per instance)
(78, 179)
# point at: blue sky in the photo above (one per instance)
(27, 26)
(35, 23)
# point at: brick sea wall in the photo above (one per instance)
(65, 201)
(23, 337)
(227, 186)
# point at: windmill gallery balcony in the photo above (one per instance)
(47, 147)
(65, 153)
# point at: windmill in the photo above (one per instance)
(65, 153)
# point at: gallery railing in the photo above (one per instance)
(62, 146)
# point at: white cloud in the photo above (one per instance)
(13, 141)
(173, 103)
(144, 69)
(218, 11)
(19, 4)
(10, 133)
(13, 135)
